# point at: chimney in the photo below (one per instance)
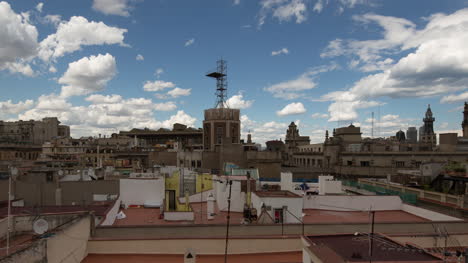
(210, 207)
(190, 257)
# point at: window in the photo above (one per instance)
(350, 163)
(365, 163)
(219, 135)
(400, 164)
(279, 215)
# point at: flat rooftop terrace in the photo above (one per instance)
(152, 216)
(314, 216)
(290, 257)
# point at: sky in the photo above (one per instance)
(102, 66)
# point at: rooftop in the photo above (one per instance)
(152, 216)
(355, 248)
(277, 194)
(313, 216)
(290, 257)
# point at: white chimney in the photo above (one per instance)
(190, 257)
(210, 207)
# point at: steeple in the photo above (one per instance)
(429, 121)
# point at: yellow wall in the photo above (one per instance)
(173, 183)
(206, 179)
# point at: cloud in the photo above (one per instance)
(434, 63)
(102, 99)
(88, 75)
(347, 110)
(293, 89)
(318, 7)
(236, 2)
(189, 42)
(39, 7)
(165, 106)
(113, 7)
(178, 92)
(52, 69)
(77, 32)
(53, 19)
(238, 102)
(180, 117)
(105, 114)
(455, 98)
(283, 10)
(279, 52)
(140, 57)
(292, 109)
(18, 41)
(262, 131)
(319, 115)
(158, 85)
(8, 107)
(159, 72)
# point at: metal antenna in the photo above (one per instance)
(372, 131)
(220, 74)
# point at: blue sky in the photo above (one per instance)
(108, 65)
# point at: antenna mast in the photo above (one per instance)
(372, 131)
(220, 74)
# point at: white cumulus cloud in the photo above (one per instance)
(292, 109)
(113, 7)
(165, 106)
(178, 92)
(158, 85)
(18, 41)
(238, 102)
(77, 32)
(88, 75)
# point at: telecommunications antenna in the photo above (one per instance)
(40, 226)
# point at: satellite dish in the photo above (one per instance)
(60, 172)
(14, 171)
(40, 226)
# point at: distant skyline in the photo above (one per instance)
(102, 66)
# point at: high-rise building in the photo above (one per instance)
(412, 135)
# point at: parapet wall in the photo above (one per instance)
(222, 114)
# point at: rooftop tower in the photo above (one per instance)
(221, 125)
(220, 74)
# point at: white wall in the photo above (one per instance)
(178, 216)
(71, 243)
(294, 205)
(287, 181)
(110, 216)
(139, 191)
(352, 202)
(431, 215)
(198, 197)
(327, 185)
(222, 193)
